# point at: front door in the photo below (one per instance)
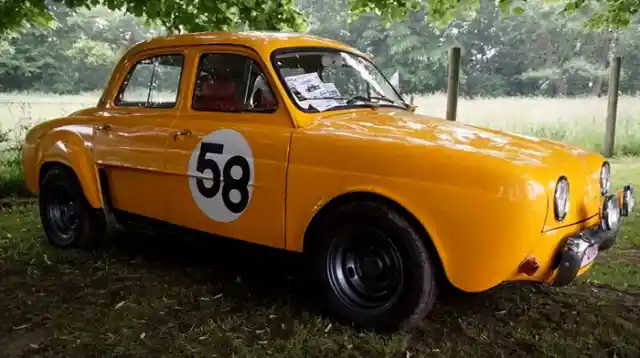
(131, 141)
(230, 155)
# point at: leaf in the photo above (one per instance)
(504, 5)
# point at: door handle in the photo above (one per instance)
(102, 127)
(181, 133)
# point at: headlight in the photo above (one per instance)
(561, 198)
(611, 213)
(605, 178)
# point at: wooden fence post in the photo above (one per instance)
(452, 86)
(612, 108)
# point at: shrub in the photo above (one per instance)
(11, 176)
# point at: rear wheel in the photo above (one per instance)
(373, 267)
(67, 217)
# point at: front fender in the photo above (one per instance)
(480, 236)
(71, 146)
(483, 208)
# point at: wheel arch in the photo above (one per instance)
(352, 196)
(68, 149)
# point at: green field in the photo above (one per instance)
(576, 120)
(579, 121)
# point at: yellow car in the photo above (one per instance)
(300, 143)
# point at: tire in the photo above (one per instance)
(390, 259)
(67, 218)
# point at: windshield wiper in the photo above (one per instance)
(368, 99)
(350, 100)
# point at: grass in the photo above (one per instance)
(11, 176)
(27, 109)
(621, 267)
(154, 296)
(579, 121)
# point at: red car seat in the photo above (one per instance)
(218, 94)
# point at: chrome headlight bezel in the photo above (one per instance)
(561, 198)
(605, 178)
(628, 201)
(611, 213)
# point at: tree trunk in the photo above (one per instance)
(562, 87)
(602, 41)
(596, 90)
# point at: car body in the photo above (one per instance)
(263, 168)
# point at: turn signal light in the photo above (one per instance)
(529, 266)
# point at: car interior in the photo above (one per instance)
(231, 83)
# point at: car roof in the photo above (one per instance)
(263, 42)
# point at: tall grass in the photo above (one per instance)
(579, 121)
(27, 109)
(11, 177)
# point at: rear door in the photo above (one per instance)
(131, 140)
(230, 150)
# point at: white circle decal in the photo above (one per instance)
(221, 175)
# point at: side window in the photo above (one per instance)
(231, 83)
(152, 82)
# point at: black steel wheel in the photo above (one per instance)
(374, 269)
(67, 218)
(365, 269)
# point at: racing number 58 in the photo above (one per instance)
(229, 183)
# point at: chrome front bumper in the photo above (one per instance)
(580, 249)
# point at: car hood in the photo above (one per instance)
(463, 151)
(410, 128)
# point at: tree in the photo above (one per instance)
(190, 16)
(174, 15)
(539, 52)
(75, 54)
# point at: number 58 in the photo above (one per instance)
(229, 183)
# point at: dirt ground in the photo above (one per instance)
(155, 296)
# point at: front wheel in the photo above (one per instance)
(373, 267)
(67, 218)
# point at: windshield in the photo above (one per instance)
(322, 80)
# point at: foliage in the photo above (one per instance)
(175, 15)
(11, 177)
(542, 50)
(181, 15)
(613, 13)
(75, 55)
